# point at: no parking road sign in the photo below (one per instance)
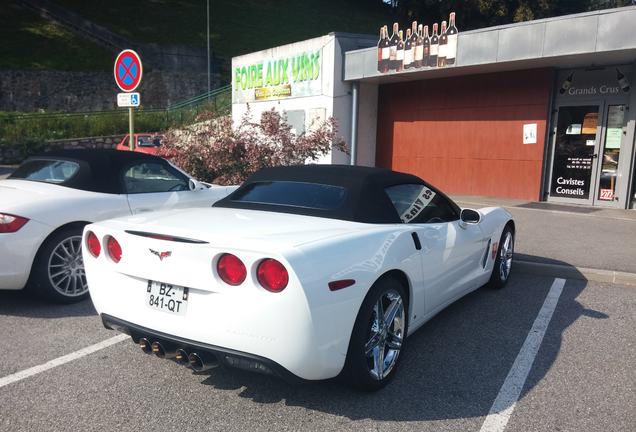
(128, 70)
(128, 73)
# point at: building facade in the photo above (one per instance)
(538, 110)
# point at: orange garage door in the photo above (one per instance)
(465, 134)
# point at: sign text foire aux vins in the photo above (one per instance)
(278, 76)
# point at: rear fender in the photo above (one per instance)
(364, 258)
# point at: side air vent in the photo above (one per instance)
(166, 237)
(485, 259)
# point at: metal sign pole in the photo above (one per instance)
(131, 129)
(128, 72)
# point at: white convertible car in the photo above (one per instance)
(46, 202)
(303, 272)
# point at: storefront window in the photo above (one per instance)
(574, 151)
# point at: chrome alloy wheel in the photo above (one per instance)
(66, 268)
(505, 256)
(385, 334)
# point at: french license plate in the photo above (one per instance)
(165, 297)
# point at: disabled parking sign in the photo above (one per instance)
(128, 70)
(128, 99)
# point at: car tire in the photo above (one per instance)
(375, 346)
(503, 262)
(58, 269)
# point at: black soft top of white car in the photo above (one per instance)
(99, 170)
(345, 192)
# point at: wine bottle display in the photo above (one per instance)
(393, 42)
(380, 49)
(416, 47)
(399, 53)
(408, 50)
(432, 58)
(451, 47)
(413, 41)
(426, 47)
(383, 51)
(419, 47)
(443, 41)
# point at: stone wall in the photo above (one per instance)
(16, 154)
(29, 91)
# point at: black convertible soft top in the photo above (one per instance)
(99, 169)
(365, 199)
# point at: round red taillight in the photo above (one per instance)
(114, 249)
(231, 269)
(92, 243)
(272, 275)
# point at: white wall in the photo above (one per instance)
(367, 124)
(334, 97)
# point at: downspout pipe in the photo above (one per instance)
(355, 100)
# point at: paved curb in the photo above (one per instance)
(573, 272)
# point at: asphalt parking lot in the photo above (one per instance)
(453, 370)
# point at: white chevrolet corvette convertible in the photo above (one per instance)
(46, 202)
(306, 272)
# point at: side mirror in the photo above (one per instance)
(194, 185)
(470, 217)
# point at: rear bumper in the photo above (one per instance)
(225, 356)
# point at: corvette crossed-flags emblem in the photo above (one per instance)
(161, 255)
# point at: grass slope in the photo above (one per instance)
(237, 27)
(28, 41)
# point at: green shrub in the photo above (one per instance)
(24, 130)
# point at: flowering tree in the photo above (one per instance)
(214, 150)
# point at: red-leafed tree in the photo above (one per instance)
(214, 150)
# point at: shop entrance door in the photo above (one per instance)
(587, 148)
(575, 159)
(609, 176)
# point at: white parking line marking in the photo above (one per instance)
(508, 396)
(9, 379)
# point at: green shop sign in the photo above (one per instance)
(290, 70)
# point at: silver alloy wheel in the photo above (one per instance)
(505, 256)
(66, 268)
(386, 334)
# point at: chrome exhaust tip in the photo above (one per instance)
(181, 357)
(202, 362)
(163, 351)
(157, 349)
(145, 346)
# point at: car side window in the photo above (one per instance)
(153, 177)
(416, 203)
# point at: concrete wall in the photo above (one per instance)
(367, 124)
